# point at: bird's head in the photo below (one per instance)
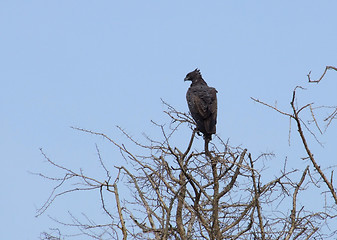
(193, 76)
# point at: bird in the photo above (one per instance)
(202, 103)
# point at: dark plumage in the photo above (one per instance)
(202, 102)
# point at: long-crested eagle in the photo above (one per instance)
(202, 102)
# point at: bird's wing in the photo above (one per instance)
(200, 105)
(206, 101)
(213, 105)
(212, 108)
(202, 101)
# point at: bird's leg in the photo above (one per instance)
(197, 131)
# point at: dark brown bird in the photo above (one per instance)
(202, 102)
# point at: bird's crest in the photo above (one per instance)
(197, 72)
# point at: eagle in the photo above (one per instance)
(202, 103)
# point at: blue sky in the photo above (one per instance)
(98, 64)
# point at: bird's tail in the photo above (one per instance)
(206, 147)
(210, 128)
(208, 136)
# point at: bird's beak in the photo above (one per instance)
(185, 79)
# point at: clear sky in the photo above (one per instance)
(98, 64)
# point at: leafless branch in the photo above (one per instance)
(318, 80)
(217, 192)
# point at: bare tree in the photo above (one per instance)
(214, 193)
